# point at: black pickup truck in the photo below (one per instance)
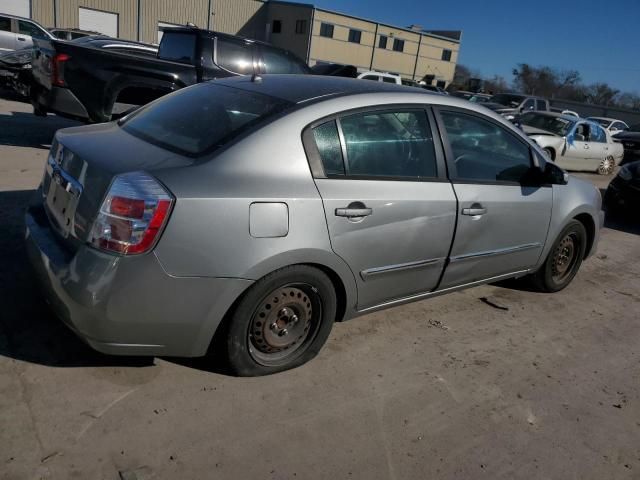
(86, 83)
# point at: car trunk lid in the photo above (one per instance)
(80, 168)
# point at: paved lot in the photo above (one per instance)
(547, 387)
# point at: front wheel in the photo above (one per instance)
(281, 322)
(564, 259)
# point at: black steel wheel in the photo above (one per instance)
(564, 259)
(281, 322)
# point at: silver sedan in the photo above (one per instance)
(247, 215)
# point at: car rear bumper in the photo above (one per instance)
(127, 305)
(61, 101)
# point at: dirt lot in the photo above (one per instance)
(547, 387)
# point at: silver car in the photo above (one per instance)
(246, 215)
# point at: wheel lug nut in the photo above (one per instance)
(283, 332)
(273, 326)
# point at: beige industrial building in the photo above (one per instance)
(314, 34)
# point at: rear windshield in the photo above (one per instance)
(199, 119)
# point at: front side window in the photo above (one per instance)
(326, 30)
(529, 105)
(389, 144)
(328, 144)
(201, 118)
(382, 43)
(28, 28)
(281, 61)
(398, 45)
(235, 56)
(446, 55)
(541, 105)
(354, 36)
(484, 151)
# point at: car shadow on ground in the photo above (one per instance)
(22, 129)
(29, 331)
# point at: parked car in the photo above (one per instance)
(434, 88)
(573, 143)
(73, 80)
(72, 33)
(16, 67)
(611, 124)
(630, 140)
(264, 210)
(17, 33)
(335, 70)
(623, 193)
(510, 105)
(381, 77)
(480, 98)
(463, 94)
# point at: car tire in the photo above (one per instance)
(607, 166)
(564, 259)
(281, 322)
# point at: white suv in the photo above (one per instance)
(18, 32)
(381, 77)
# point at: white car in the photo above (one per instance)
(613, 125)
(381, 77)
(573, 143)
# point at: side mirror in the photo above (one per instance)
(554, 175)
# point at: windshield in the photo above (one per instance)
(558, 125)
(507, 99)
(199, 119)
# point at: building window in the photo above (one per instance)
(382, 43)
(398, 45)
(441, 84)
(446, 55)
(276, 27)
(326, 30)
(301, 26)
(354, 36)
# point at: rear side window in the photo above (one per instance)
(389, 144)
(277, 61)
(541, 105)
(375, 78)
(199, 119)
(234, 56)
(5, 24)
(597, 135)
(328, 143)
(178, 47)
(388, 80)
(484, 151)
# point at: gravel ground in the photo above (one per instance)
(544, 387)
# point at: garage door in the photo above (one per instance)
(98, 21)
(16, 7)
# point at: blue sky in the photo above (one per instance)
(600, 39)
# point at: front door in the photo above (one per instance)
(578, 154)
(389, 209)
(503, 218)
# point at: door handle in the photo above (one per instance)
(22, 39)
(474, 210)
(586, 147)
(353, 212)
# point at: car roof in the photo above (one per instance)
(302, 88)
(608, 119)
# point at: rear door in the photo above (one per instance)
(503, 216)
(389, 208)
(7, 37)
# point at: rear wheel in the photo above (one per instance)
(282, 321)
(564, 259)
(551, 153)
(607, 166)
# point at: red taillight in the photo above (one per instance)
(132, 215)
(57, 69)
